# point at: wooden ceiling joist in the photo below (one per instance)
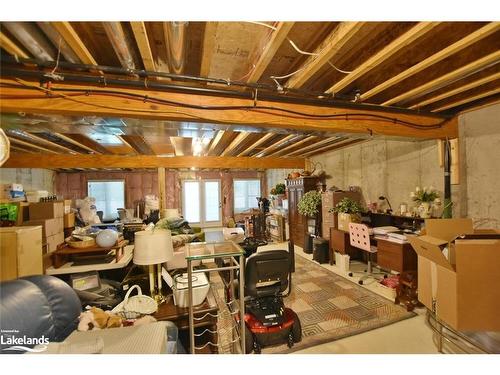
(458, 90)
(337, 39)
(120, 42)
(31, 145)
(46, 142)
(71, 37)
(468, 100)
(236, 141)
(276, 144)
(78, 144)
(209, 40)
(277, 38)
(473, 67)
(336, 146)
(384, 54)
(332, 146)
(314, 118)
(215, 141)
(7, 44)
(146, 161)
(313, 146)
(256, 144)
(456, 47)
(141, 38)
(138, 143)
(293, 145)
(87, 143)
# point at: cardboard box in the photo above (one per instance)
(67, 206)
(52, 242)
(69, 220)
(46, 210)
(458, 276)
(20, 252)
(50, 227)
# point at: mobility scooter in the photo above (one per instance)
(268, 274)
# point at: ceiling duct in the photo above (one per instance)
(120, 43)
(59, 42)
(32, 39)
(175, 38)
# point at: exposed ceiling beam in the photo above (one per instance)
(256, 144)
(293, 145)
(44, 141)
(58, 41)
(78, 144)
(72, 39)
(384, 54)
(32, 39)
(22, 149)
(340, 118)
(315, 145)
(276, 144)
(28, 144)
(209, 40)
(141, 38)
(458, 90)
(473, 67)
(468, 100)
(215, 141)
(333, 43)
(146, 161)
(7, 44)
(277, 38)
(341, 142)
(120, 42)
(236, 141)
(463, 43)
(138, 143)
(87, 143)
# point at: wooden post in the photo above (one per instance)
(455, 162)
(162, 191)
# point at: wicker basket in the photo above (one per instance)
(136, 306)
(80, 244)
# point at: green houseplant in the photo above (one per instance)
(309, 204)
(349, 211)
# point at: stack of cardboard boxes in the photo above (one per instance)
(50, 215)
(459, 273)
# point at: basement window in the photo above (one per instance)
(109, 196)
(246, 193)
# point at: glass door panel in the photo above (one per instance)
(191, 206)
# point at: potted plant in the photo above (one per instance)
(425, 198)
(309, 206)
(278, 194)
(348, 211)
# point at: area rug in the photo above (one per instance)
(331, 307)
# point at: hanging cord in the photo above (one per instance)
(53, 74)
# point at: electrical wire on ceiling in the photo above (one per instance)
(54, 92)
(296, 48)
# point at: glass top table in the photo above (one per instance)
(207, 250)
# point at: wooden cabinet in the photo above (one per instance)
(20, 252)
(296, 188)
(396, 256)
(276, 225)
(329, 199)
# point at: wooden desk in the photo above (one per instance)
(180, 316)
(339, 241)
(395, 256)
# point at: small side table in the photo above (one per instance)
(180, 315)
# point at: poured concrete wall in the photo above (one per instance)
(30, 178)
(479, 195)
(384, 168)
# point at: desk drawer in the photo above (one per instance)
(390, 261)
(388, 247)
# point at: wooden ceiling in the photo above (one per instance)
(429, 67)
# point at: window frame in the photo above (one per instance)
(234, 190)
(111, 180)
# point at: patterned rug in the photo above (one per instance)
(331, 307)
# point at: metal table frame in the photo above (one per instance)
(233, 265)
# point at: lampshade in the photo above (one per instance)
(170, 212)
(153, 247)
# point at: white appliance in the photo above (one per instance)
(179, 286)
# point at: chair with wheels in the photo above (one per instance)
(359, 237)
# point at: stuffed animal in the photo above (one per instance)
(96, 318)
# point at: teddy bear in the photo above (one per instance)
(96, 318)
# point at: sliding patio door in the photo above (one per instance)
(201, 202)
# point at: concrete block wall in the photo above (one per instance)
(30, 178)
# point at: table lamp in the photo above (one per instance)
(152, 248)
(387, 200)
